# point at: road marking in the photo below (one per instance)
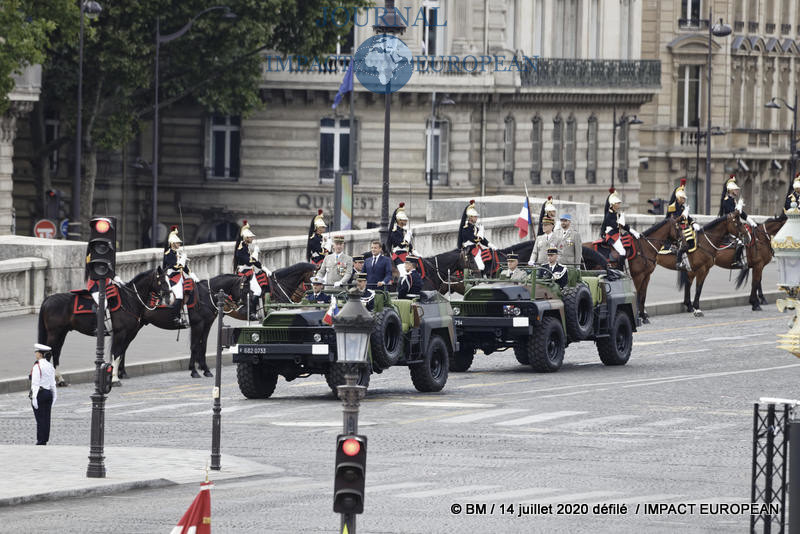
(595, 421)
(436, 404)
(316, 423)
(710, 325)
(719, 426)
(226, 409)
(538, 418)
(571, 393)
(469, 418)
(445, 491)
(261, 482)
(667, 422)
(677, 352)
(88, 409)
(162, 407)
(714, 375)
(515, 494)
(656, 497)
(487, 384)
(643, 343)
(398, 486)
(573, 497)
(729, 338)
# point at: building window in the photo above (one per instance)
(624, 144)
(558, 150)
(334, 147)
(223, 159)
(508, 151)
(431, 36)
(591, 151)
(437, 153)
(566, 37)
(569, 150)
(688, 96)
(690, 12)
(52, 125)
(536, 151)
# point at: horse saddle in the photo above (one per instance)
(261, 277)
(83, 303)
(628, 242)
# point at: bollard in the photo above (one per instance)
(216, 419)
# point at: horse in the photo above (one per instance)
(759, 254)
(710, 242)
(439, 271)
(57, 315)
(285, 285)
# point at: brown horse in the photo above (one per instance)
(759, 254)
(711, 241)
(285, 285)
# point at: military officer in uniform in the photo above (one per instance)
(318, 247)
(543, 242)
(730, 203)
(358, 264)
(246, 263)
(411, 284)
(794, 196)
(613, 223)
(470, 237)
(43, 391)
(569, 242)
(175, 265)
(548, 210)
(513, 272)
(558, 271)
(367, 295)
(316, 294)
(678, 209)
(337, 267)
(400, 240)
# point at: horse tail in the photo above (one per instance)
(683, 279)
(42, 332)
(741, 278)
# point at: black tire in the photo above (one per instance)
(521, 352)
(386, 341)
(616, 348)
(578, 312)
(546, 348)
(336, 372)
(462, 359)
(431, 374)
(256, 381)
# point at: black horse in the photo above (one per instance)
(439, 271)
(57, 315)
(285, 285)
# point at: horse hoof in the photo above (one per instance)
(116, 384)
(195, 374)
(645, 320)
(122, 374)
(756, 308)
(207, 373)
(698, 313)
(762, 300)
(62, 384)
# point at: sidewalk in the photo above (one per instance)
(127, 468)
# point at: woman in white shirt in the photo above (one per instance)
(43, 391)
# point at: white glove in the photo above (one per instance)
(337, 284)
(696, 227)
(635, 234)
(266, 270)
(35, 403)
(408, 234)
(118, 280)
(492, 245)
(751, 222)
(739, 205)
(608, 229)
(194, 277)
(480, 231)
(621, 220)
(686, 211)
(531, 262)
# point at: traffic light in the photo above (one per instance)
(54, 204)
(106, 375)
(101, 253)
(351, 467)
(658, 206)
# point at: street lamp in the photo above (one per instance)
(622, 120)
(717, 30)
(74, 225)
(159, 40)
(390, 23)
(445, 101)
(353, 326)
(716, 130)
(773, 104)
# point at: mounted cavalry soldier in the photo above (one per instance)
(400, 240)
(246, 263)
(175, 266)
(613, 223)
(732, 202)
(471, 240)
(678, 209)
(513, 272)
(548, 210)
(318, 247)
(794, 196)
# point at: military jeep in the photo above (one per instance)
(538, 319)
(293, 341)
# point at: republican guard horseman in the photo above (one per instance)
(400, 242)
(613, 223)
(794, 196)
(731, 202)
(318, 245)
(548, 210)
(471, 239)
(678, 209)
(175, 265)
(246, 263)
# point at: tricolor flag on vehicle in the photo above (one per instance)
(331, 313)
(197, 519)
(524, 219)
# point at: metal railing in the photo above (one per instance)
(738, 26)
(693, 24)
(594, 73)
(439, 178)
(752, 27)
(786, 29)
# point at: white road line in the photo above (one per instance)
(656, 497)
(398, 486)
(263, 482)
(572, 392)
(743, 336)
(679, 352)
(667, 422)
(444, 491)
(317, 423)
(229, 409)
(88, 409)
(435, 404)
(595, 421)
(469, 418)
(162, 407)
(515, 494)
(720, 426)
(715, 375)
(574, 497)
(538, 418)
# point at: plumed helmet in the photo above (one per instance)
(796, 183)
(319, 221)
(173, 236)
(400, 214)
(246, 231)
(731, 184)
(614, 198)
(549, 206)
(471, 210)
(680, 191)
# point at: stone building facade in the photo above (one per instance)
(495, 129)
(758, 61)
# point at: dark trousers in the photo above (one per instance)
(42, 414)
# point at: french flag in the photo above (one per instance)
(331, 313)
(524, 218)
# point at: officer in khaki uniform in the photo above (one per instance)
(513, 272)
(337, 267)
(569, 242)
(543, 242)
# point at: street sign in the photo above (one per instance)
(45, 228)
(64, 227)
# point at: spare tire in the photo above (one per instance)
(386, 341)
(578, 311)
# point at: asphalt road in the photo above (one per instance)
(673, 426)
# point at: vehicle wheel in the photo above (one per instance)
(616, 348)
(336, 372)
(521, 352)
(546, 348)
(462, 359)
(578, 311)
(386, 340)
(431, 374)
(256, 381)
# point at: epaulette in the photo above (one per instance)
(671, 208)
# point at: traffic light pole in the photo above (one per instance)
(351, 395)
(97, 468)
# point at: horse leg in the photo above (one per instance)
(698, 288)
(642, 298)
(687, 295)
(755, 285)
(203, 347)
(193, 348)
(56, 342)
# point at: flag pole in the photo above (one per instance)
(530, 219)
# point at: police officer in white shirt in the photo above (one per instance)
(43, 391)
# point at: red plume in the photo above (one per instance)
(732, 176)
(173, 228)
(472, 202)
(550, 197)
(244, 222)
(319, 212)
(611, 189)
(683, 181)
(402, 204)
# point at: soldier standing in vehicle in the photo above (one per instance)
(569, 242)
(367, 295)
(471, 239)
(412, 283)
(558, 271)
(513, 272)
(337, 267)
(543, 242)
(318, 247)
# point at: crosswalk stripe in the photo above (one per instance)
(538, 418)
(162, 407)
(445, 491)
(718, 426)
(398, 486)
(469, 418)
(595, 421)
(516, 494)
(227, 409)
(667, 422)
(316, 423)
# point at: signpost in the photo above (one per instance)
(45, 228)
(64, 227)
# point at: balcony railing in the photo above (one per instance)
(752, 27)
(693, 24)
(439, 178)
(594, 73)
(738, 26)
(770, 27)
(786, 29)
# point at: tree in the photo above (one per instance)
(217, 63)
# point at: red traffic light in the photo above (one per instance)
(102, 226)
(351, 447)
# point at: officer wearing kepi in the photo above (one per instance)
(548, 210)
(400, 240)
(175, 265)
(316, 294)
(412, 283)
(513, 272)
(367, 295)
(556, 269)
(43, 391)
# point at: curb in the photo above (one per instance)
(88, 492)
(710, 303)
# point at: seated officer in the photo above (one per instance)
(316, 294)
(513, 272)
(411, 284)
(558, 271)
(367, 295)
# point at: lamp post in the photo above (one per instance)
(717, 30)
(773, 104)
(445, 101)
(390, 23)
(74, 225)
(716, 130)
(163, 39)
(622, 120)
(353, 326)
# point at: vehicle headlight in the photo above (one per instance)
(456, 310)
(317, 338)
(255, 337)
